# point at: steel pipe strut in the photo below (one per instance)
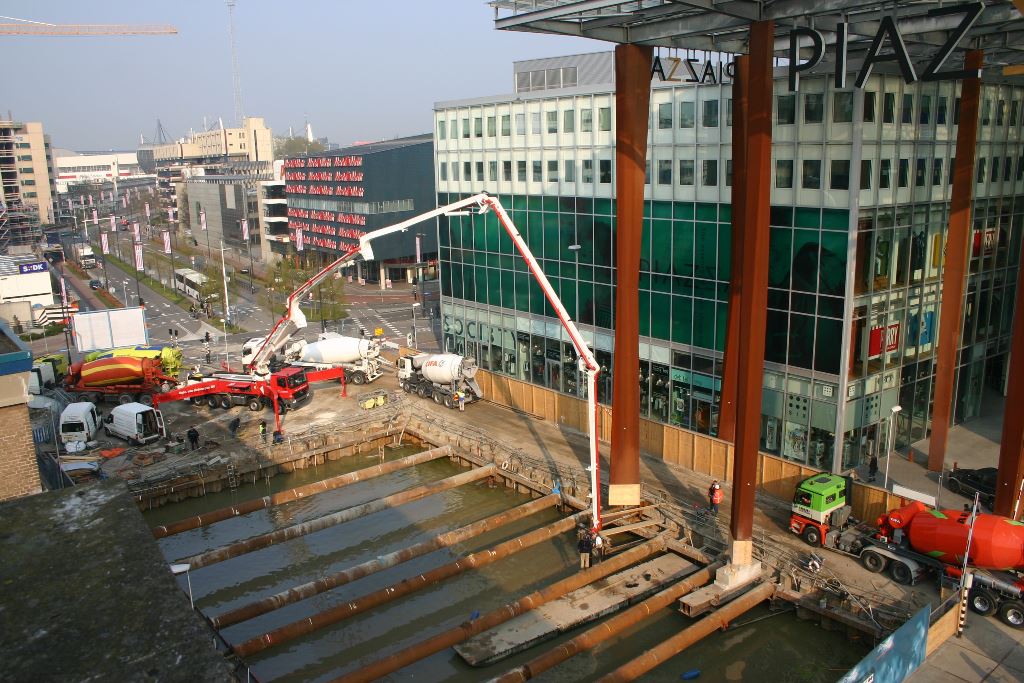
(496, 617)
(445, 540)
(667, 649)
(593, 637)
(358, 605)
(298, 492)
(347, 515)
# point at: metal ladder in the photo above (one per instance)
(232, 476)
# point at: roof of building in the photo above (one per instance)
(724, 26)
(9, 264)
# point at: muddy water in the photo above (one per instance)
(776, 648)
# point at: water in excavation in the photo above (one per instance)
(779, 648)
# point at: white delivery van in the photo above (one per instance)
(135, 423)
(79, 422)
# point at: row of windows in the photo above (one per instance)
(546, 79)
(364, 208)
(549, 123)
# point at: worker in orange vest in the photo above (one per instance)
(714, 496)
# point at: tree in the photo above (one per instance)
(295, 146)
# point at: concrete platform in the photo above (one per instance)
(579, 607)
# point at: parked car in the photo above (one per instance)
(95, 284)
(967, 481)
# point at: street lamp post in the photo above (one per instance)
(891, 443)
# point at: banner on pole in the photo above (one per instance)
(95, 217)
(202, 219)
(167, 242)
(124, 200)
(113, 224)
(147, 211)
(245, 230)
(71, 207)
(90, 200)
(298, 239)
(105, 243)
(138, 257)
(136, 232)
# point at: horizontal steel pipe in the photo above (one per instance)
(361, 604)
(450, 538)
(496, 617)
(347, 515)
(667, 649)
(598, 634)
(299, 492)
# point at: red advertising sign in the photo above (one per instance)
(136, 232)
(104, 243)
(887, 337)
(167, 242)
(138, 257)
(202, 219)
(245, 230)
(298, 239)
(113, 224)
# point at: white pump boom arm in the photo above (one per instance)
(294, 319)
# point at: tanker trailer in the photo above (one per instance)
(439, 375)
(123, 379)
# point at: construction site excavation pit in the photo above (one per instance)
(375, 564)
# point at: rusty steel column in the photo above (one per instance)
(596, 635)
(754, 294)
(326, 583)
(347, 515)
(664, 651)
(727, 401)
(468, 629)
(954, 267)
(297, 629)
(298, 492)
(1011, 448)
(632, 100)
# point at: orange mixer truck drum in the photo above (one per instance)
(119, 370)
(998, 542)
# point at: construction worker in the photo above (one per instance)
(263, 431)
(461, 398)
(714, 496)
(598, 549)
(193, 437)
(585, 545)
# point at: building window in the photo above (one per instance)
(535, 122)
(1013, 112)
(479, 171)
(521, 171)
(884, 174)
(926, 110)
(728, 172)
(520, 124)
(588, 170)
(28, 182)
(569, 121)
(443, 168)
(647, 172)
(570, 170)
(786, 105)
(492, 126)
(1007, 169)
(1020, 168)
(465, 128)
(889, 107)
(568, 77)
(919, 172)
(604, 118)
(981, 170)
(478, 127)
(811, 175)
(441, 130)
(455, 171)
(552, 170)
(665, 171)
(784, 173)
(940, 111)
(552, 117)
(907, 113)
(29, 195)
(710, 117)
(586, 120)
(814, 108)
(467, 171)
(869, 107)
(506, 171)
(709, 176)
(453, 129)
(506, 125)
(839, 178)
(492, 171)
(936, 172)
(903, 174)
(665, 115)
(605, 171)
(956, 111)
(538, 172)
(728, 112)
(865, 174)
(986, 112)
(687, 114)
(842, 107)
(686, 170)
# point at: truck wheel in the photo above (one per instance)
(437, 398)
(448, 403)
(196, 400)
(124, 398)
(812, 535)
(982, 601)
(165, 387)
(255, 404)
(422, 391)
(1012, 613)
(901, 573)
(106, 430)
(225, 401)
(146, 399)
(96, 398)
(953, 485)
(358, 377)
(873, 561)
(212, 401)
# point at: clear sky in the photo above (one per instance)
(360, 70)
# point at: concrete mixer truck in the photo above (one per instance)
(914, 541)
(359, 357)
(439, 376)
(123, 379)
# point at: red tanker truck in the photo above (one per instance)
(122, 379)
(914, 541)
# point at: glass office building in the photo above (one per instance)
(860, 202)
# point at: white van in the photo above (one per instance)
(79, 423)
(135, 423)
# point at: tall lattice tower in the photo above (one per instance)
(236, 78)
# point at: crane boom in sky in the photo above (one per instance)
(27, 27)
